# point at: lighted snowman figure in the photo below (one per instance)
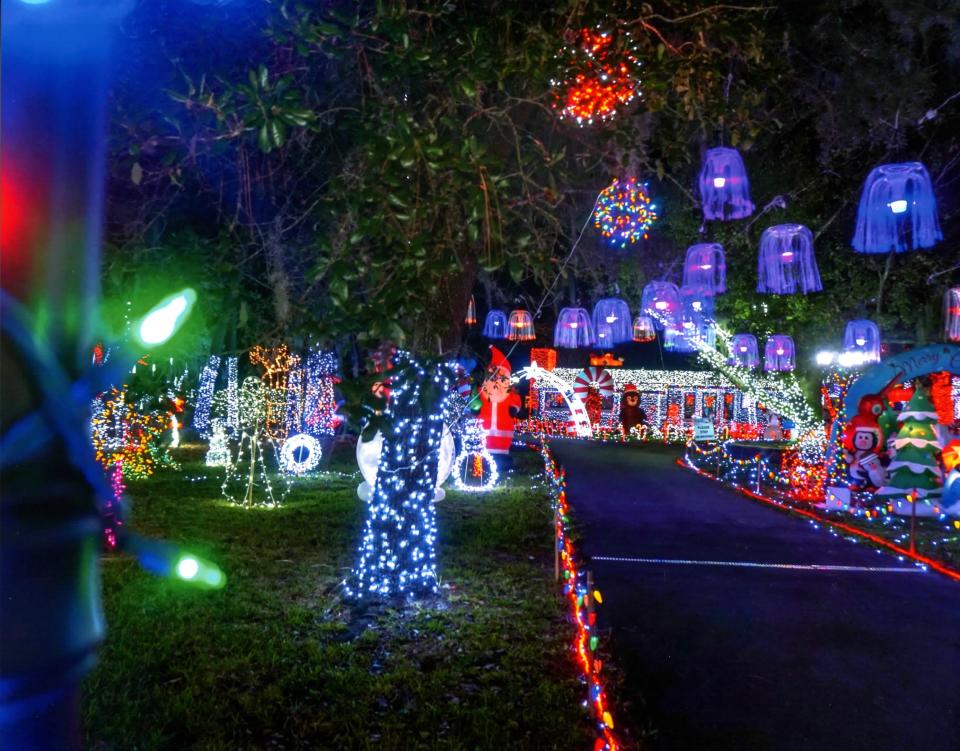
(368, 459)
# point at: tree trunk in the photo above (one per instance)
(397, 559)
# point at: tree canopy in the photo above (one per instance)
(352, 173)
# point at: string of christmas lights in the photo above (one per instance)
(624, 212)
(601, 75)
(397, 553)
(475, 470)
(583, 600)
(835, 526)
(204, 399)
(233, 408)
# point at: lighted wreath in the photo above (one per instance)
(600, 75)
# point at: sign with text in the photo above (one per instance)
(703, 429)
(901, 368)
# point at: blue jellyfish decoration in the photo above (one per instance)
(779, 355)
(898, 210)
(495, 325)
(696, 320)
(615, 314)
(744, 352)
(862, 338)
(662, 301)
(705, 266)
(786, 264)
(724, 187)
(573, 329)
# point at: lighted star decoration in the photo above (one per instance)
(624, 212)
(602, 75)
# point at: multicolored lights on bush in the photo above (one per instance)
(624, 212)
(583, 599)
(601, 76)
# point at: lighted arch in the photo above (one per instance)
(578, 412)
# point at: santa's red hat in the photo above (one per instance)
(498, 361)
(629, 387)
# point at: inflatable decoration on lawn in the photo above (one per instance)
(863, 445)
(499, 406)
(368, 459)
(915, 472)
(632, 415)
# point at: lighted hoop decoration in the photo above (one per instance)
(624, 212)
(601, 75)
(300, 454)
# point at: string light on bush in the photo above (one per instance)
(233, 401)
(624, 212)
(208, 380)
(583, 599)
(397, 555)
(475, 470)
(319, 400)
(300, 454)
(601, 75)
(121, 434)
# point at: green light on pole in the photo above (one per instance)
(164, 319)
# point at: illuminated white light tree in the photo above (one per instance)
(218, 455)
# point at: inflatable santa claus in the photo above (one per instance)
(499, 407)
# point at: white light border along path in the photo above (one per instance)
(918, 569)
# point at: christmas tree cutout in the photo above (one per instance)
(916, 468)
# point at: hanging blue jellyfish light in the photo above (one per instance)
(662, 301)
(861, 339)
(573, 329)
(705, 266)
(744, 351)
(779, 354)
(696, 320)
(495, 325)
(615, 314)
(786, 263)
(724, 187)
(897, 211)
(604, 333)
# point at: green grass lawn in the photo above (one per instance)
(276, 661)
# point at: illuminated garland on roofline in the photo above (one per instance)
(779, 392)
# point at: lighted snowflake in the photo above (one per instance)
(624, 212)
(602, 74)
